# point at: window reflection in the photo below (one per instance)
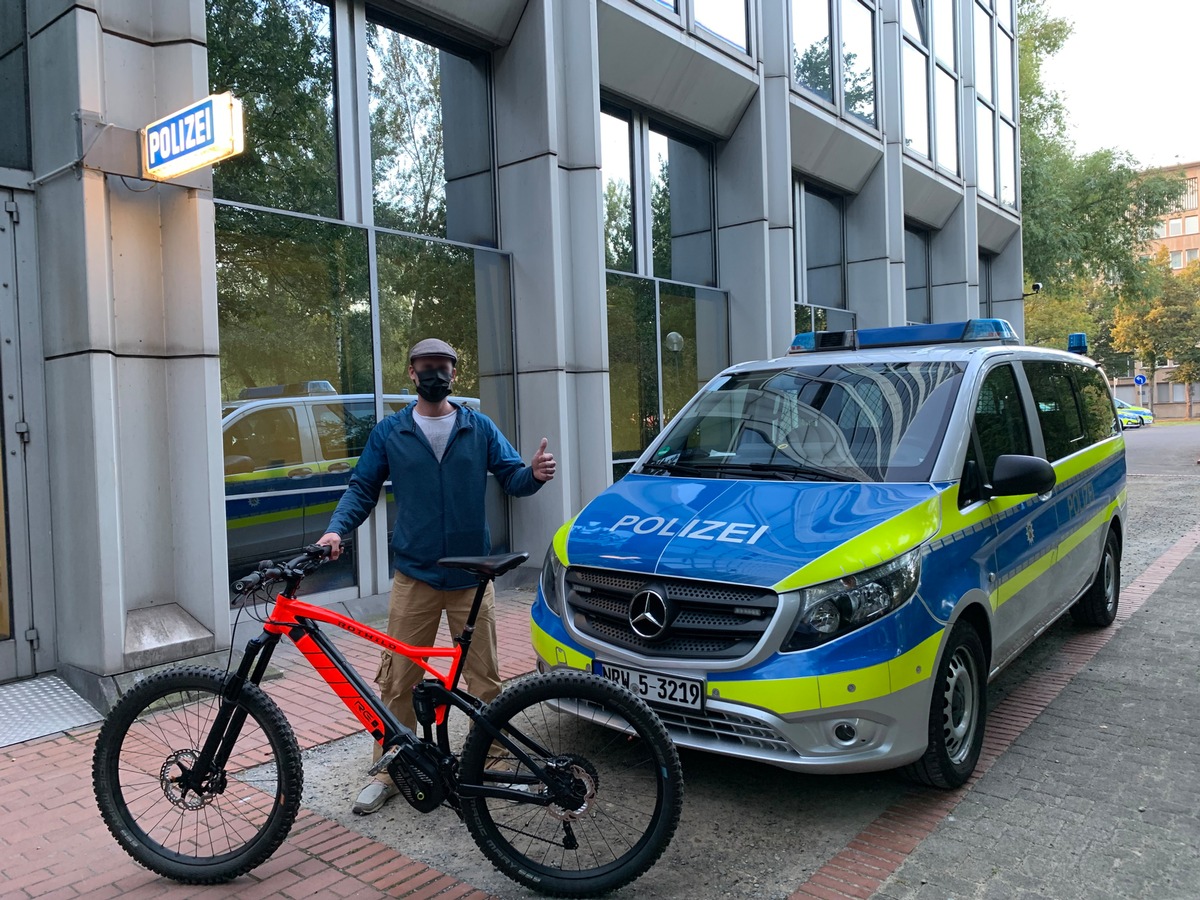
(14, 113)
(295, 324)
(812, 58)
(665, 340)
(983, 52)
(824, 256)
(1004, 75)
(945, 101)
(943, 31)
(724, 18)
(681, 209)
(916, 100)
(632, 365)
(278, 58)
(430, 151)
(858, 60)
(916, 275)
(463, 296)
(1008, 164)
(986, 153)
(616, 175)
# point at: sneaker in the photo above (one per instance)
(373, 796)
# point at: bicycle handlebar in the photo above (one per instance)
(312, 557)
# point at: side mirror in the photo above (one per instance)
(1014, 475)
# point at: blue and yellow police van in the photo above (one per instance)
(823, 559)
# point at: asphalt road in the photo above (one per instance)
(750, 830)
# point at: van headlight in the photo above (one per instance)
(829, 610)
(552, 571)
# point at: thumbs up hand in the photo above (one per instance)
(543, 463)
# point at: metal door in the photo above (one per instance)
(26, 614)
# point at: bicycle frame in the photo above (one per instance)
(298, 621)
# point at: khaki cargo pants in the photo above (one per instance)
(414, 615)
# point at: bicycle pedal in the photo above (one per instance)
(384, 761)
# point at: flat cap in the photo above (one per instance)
(432, 347)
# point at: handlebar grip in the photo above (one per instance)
(249, 582)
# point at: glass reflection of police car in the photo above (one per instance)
(824, 558)
(1133, 416)
(287, 461)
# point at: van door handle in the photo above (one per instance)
(338, 468)
(302, 472)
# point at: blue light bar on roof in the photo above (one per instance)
(996, 331)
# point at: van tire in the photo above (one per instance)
(957, 712)
(1098, 605)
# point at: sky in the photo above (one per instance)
(1126, 76)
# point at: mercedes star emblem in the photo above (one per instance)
(648, 614)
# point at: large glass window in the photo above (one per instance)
(817, 27)
(996, 106)
(14, 88)
(821, 247)
(616, 142)
(928, 57)
(917, 288)
(311, 264)
(278, 58)
(724, 18)
(681, 213)
(431, 162)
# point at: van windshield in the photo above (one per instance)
(880, 422)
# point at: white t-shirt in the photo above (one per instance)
(436, 430)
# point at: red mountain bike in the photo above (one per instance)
(568, 783)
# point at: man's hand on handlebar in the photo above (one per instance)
(333, 541)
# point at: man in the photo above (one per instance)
(437, 455)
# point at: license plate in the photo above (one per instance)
(655, 688)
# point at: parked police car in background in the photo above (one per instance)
(1133, 416)
(289, 451)
(824, 558)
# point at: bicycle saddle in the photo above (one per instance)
(486, 566)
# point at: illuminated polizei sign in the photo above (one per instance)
(201, 134)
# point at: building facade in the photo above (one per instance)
(600, 203)
(1178, 234)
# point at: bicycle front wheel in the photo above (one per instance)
(620, 789)
(242, 813)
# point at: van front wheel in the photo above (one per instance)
(957, 712)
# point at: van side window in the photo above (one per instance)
(1000, 419)
(1099, 416)
(342, 428)
(268, 438)
(1058, 408)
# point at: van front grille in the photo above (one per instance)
(704, 620)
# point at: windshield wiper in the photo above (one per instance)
(671, 468)
(793, 469)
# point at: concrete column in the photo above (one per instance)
(548, 159)
(129, 319)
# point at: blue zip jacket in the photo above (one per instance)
(439, 506)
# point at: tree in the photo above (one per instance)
(1165, 325)
(1086, 219)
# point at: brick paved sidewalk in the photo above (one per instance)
(53, 843)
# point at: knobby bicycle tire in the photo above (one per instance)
(152, 735)
(621, 760)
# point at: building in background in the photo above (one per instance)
(600, 203)
(1179, 234)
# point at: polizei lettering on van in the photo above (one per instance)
(695, 530)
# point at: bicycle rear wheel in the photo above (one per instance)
(243, 812)
(626, 785)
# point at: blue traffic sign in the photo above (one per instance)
(1139, 379)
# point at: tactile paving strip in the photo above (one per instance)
(41, 706)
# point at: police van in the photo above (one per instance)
(824, 558)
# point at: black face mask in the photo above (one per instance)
(433, 385)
